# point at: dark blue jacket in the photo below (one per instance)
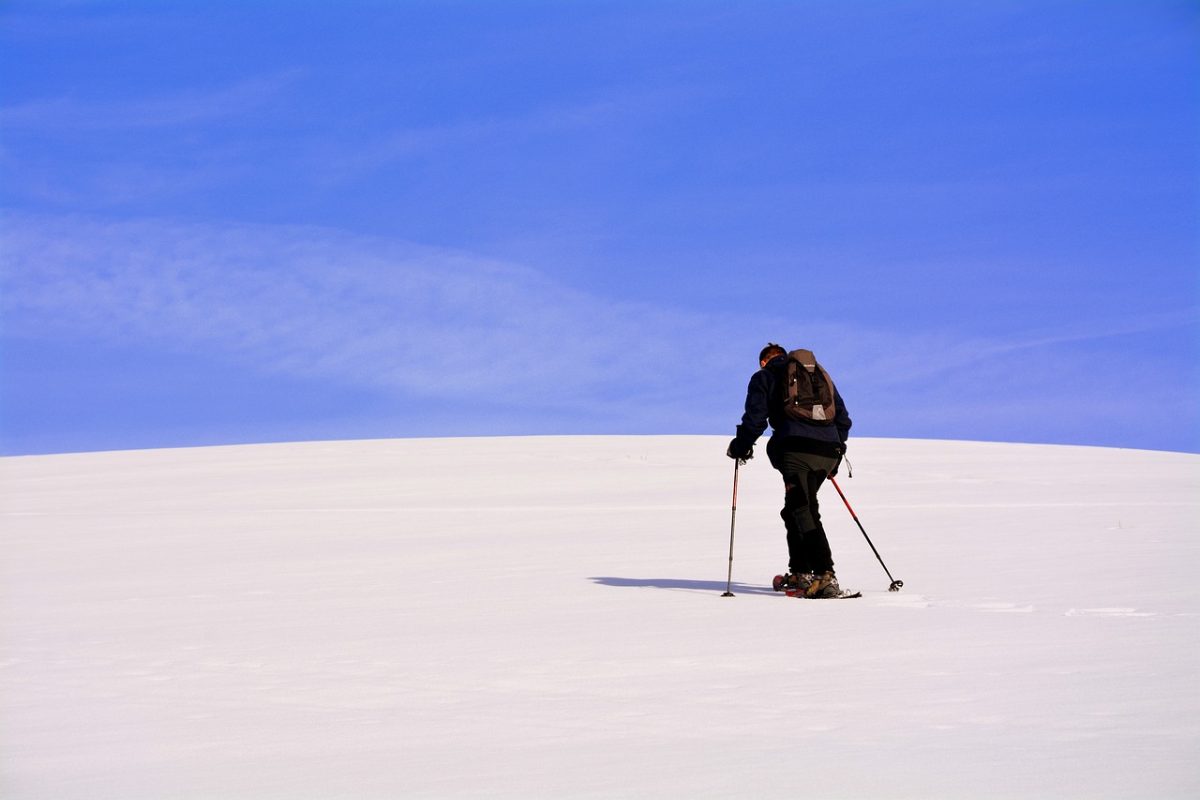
(764, 404)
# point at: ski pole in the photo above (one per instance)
(732, 520)
(895, 587)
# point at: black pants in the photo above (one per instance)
(803, 474)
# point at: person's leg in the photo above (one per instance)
(797, 553)
(803, 475)
(797, 560)
(819, 553)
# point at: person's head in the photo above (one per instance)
(769, 352)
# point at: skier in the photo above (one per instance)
(805, 451)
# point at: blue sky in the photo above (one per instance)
(244, 222)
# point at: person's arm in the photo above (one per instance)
(755, 417)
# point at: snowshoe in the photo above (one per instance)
(842, 595)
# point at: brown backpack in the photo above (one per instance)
(808, 391)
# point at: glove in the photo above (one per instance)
(841, 454)
(740, 450)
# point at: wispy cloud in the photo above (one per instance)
(460, 328)
(931, 356)
(181, 107)
(608, 113)
(326, 305)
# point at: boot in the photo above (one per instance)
(824, 585)
(793, 583)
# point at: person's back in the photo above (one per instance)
(819, 434)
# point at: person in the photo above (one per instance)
(805, 452)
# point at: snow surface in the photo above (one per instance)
(541, 617)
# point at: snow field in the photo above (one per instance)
(541, 617)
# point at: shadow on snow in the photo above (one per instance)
(680, 584)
